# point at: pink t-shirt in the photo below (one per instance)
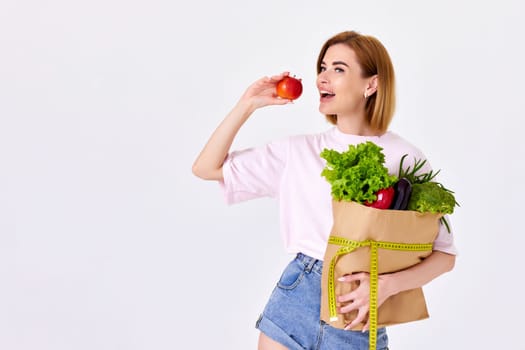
(290, 171)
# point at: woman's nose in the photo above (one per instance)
(322, 78)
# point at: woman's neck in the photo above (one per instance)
(355, 126)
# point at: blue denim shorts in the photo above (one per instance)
(292, 315)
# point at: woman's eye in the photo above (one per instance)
(322, 69)
(339, 70)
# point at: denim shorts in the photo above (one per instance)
(292, 315)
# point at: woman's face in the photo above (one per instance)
(340, 83)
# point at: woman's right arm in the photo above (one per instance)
(208, 164)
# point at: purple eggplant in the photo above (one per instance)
(403, 189)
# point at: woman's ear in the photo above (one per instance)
(371, 87)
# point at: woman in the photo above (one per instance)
(356, 87)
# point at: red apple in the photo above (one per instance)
(289, 88)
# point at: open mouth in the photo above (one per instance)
(326, 95)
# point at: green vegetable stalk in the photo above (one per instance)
(427, 196)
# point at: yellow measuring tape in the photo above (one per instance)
(347, 246)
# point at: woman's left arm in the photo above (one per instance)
(390, 284)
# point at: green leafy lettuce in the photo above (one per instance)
(427, 196)
(358, 173)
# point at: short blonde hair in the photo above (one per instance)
(373, 59)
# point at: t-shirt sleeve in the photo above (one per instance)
(254, 172)
(445, 239)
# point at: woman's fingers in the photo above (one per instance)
(361, 276)
(351, 306)
(278, 77)
(358, 299)
(361, 292)
(274, 79)
(263, 92)
(361, 314)
(346, 297)
(365, 327)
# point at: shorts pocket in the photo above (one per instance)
(292, 275)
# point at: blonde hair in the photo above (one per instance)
(374, 60)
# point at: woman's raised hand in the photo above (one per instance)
(263, 92)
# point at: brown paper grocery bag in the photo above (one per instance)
(357, 222)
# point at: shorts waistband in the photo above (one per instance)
(310, 264)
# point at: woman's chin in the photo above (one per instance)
(324, 110)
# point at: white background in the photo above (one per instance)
(107, 241)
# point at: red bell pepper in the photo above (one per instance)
(384, 199)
